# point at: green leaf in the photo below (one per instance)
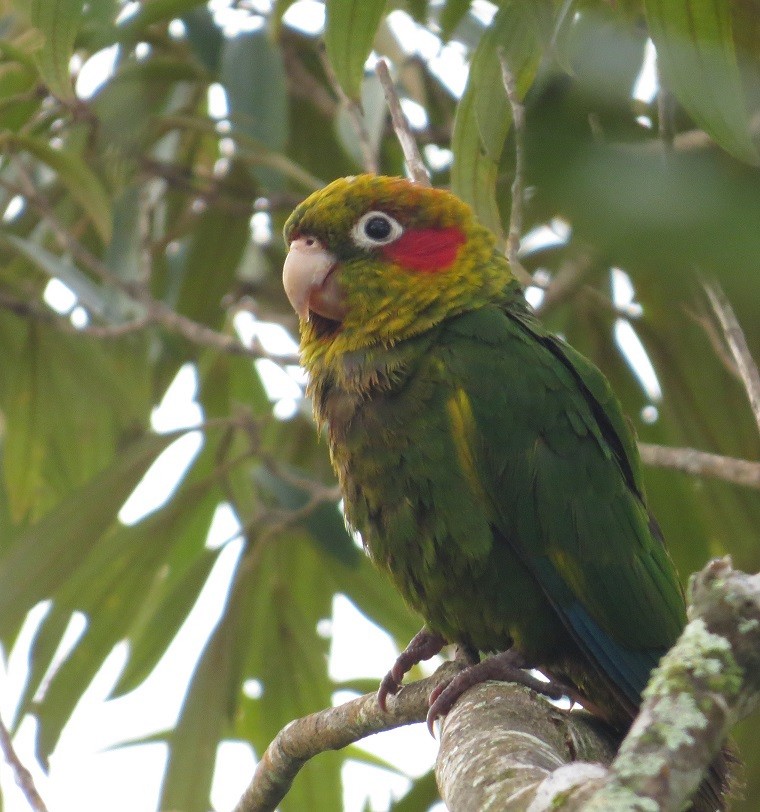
(697, 58)
(163, 611)
(153, 12)
(209, 707)
(289, 592)
(451, 15)
(46, 643)
(129, 104)
(374, 113)
(80, 181)
(59, 21)
(205, 37)
(90, 295)
(484, 116)
(423, 794)
(123, 253)
(350, 28)
(62, 428)
(46, 555)
(214, 252)
(149, 560)
(254, 78)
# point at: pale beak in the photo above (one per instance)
(310, 282)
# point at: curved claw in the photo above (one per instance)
(422, 646)
(438, 707)
(389, 685)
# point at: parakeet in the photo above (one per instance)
(486, 464)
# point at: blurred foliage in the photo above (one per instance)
(157, 197)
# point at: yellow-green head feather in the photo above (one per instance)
(384, 300)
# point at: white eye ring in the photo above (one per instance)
(376, 228)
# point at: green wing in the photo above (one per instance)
(561, 471)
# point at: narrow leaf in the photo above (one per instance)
(45, 556)
(59, 22)
(87, 292)
(207, 712)
(81, 182)
(451, 15)
(254, 78)
(350, 29)
(484, 116)
(697, 57)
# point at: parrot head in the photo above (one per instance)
(373, 260)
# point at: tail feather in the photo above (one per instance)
(722, 783)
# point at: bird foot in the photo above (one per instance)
(507, 666)
(424, 645)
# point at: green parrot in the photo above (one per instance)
(486, 464)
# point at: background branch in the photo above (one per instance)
(401, 127)
(369, 158)
(702, 463)
(22, 776)
(737, 343)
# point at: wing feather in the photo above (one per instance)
(564, 481)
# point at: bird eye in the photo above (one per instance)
(376, 228)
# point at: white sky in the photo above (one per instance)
(86, 774)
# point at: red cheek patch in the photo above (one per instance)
(426, 249)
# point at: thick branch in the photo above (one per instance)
(705, 684)
(501, 741)
(332, 729)
(503, 747)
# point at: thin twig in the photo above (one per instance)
(332, 729)
(702, 463)
(153, 311)
(31, 310)
(401, 127)
(737, 343)
(570, 277)
(516, 207)
(22, 776)
(369, 158)
(717, 342)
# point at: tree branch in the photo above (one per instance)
(401, 127)
(737, 343)
(331, 729)
(500, 741)
(369, 158)
(22, 776)
(151, 311)
(702, 463)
